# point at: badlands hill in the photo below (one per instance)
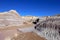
(16, 27)
(11, 23)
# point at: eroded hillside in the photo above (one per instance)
(11, 23)
(16, 27)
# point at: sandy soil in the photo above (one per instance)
(10, 33)
(28, 36)
(4, 35)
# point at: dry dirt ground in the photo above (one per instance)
(11, 33)
(28, 36)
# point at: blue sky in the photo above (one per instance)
(31, 7)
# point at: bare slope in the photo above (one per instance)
(9, 23)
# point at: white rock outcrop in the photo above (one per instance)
(10, 18)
